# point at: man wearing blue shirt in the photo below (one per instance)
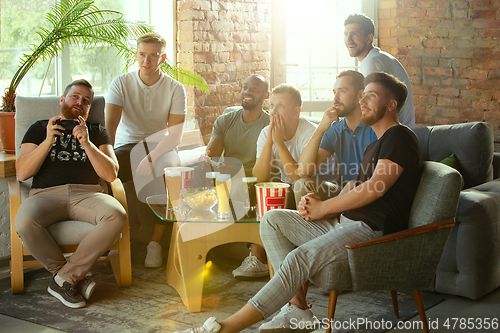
(348, 138)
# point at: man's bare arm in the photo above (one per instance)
(385, 175)
(31, 156)
(113, 116)
(313, 156)
(262, 168)
(172, 139)
(216, 147)
(103, 159)
(290, 166)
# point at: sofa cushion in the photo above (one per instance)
(453, 162)
(472, 143)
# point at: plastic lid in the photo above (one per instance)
(223, 177)
(249, 179)
(173, 173)
(212, 174)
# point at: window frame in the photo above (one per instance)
(278, 49)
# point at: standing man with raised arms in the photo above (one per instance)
(138, 105)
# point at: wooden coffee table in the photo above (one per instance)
(193, 236)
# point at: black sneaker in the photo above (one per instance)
(86, 287)
(67, 294)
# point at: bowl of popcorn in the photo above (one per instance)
(200, 198)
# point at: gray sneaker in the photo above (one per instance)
(251, 267)
(291, 319)
(210, 326)
(153, 255)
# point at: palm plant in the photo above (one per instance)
(80, 22)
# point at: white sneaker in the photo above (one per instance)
(251, 267)
(154, 255)
(292, 319)
(210, 326)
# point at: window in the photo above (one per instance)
(18, 24)
(308, 47)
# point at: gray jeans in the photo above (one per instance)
(84, 203)
(298, 249)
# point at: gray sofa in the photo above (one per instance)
(470, 265)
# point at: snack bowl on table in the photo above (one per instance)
(200, 198)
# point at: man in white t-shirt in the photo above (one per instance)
(141, 105)
(282, 141)
(358, 38)
(280, 144)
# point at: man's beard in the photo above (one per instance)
(345, 111)
(250, 105)
(376, 116)
(67, 111)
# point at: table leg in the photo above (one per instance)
(186, 259)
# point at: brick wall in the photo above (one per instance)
(224, 42)
(451, 51)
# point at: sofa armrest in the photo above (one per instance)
(403, 260)
(448, 223)
(470, 261)
(496, 165)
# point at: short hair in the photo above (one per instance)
(80, 82)
(366, 24)
(393, 86)
(357, 79)
(290, 90)
(260, 78)
(153, 37)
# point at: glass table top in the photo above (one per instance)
(158, 204)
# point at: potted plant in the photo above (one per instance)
(80, 22)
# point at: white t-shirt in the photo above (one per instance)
(295, 145)
(380, 61)
(145, 108)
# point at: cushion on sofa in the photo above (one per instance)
(472, 143)
(453, 162)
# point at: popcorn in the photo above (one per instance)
(200, 199)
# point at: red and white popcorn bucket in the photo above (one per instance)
(271, 195)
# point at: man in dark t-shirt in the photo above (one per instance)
(66, 156)
(301, 243)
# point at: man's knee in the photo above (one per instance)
(274, 219)
(22, 225)
(25, 220)
(296, 259)
(113, 212)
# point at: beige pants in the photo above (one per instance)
(84, 203)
